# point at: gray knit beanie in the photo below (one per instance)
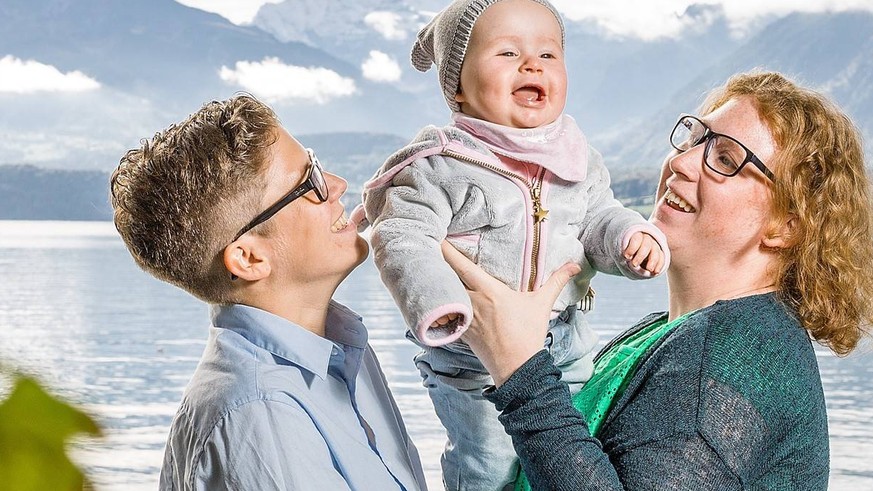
(443, 42)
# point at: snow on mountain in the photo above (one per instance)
(829, 52)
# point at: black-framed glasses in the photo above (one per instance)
(722, 154)
(314, 181)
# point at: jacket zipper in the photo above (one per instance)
(538, 213)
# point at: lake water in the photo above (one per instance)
(75, 310)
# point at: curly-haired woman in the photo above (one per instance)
(765, 203)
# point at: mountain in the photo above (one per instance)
(157, 49)
(33, 193)
(612, 80)
(353, 156)
(30, 192)
(348, 28)
(829, 52)
(624, 92)
(157, 61)
(615, 81)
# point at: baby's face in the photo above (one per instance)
(514, 73)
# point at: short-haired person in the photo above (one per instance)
(765, 203)
(288, 393)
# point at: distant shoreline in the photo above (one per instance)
(30, 193)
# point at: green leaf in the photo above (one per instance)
(34, 429)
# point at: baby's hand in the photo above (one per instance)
(643, 251)
(445, 320)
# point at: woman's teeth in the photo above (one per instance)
(340, 223)
(671, 198)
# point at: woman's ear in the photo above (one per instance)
(244, 258)
(782, 234)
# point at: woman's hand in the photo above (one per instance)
(508, 327)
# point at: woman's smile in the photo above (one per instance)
(676, 202)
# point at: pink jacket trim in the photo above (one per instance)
(439, 336)
(659, 237)
(446, 146)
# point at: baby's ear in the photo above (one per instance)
(459, 96)
(782, 234)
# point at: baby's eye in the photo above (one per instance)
(507, 53)
(547, 56)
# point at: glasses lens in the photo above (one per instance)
(687, 133)
(724, 155)
(317, 177)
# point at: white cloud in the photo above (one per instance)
(386, 24)
(275, 81)
(236, 11)
(380, 67)
(653, 19)
(29, 76)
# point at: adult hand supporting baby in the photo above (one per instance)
(508, 326)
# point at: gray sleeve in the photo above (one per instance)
(406, 237)
(266, 445)
(607, 222)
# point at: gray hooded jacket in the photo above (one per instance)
(519, 223)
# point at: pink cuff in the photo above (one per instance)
(358, 218)
(655, 233)
(439, 336)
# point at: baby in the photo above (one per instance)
(513, 184)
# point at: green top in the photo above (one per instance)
(613, 369)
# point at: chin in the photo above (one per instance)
(535, 122)
(363, 249)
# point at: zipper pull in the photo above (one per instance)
(539, 213)
(587, 302)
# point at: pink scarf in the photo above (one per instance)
(559, 146)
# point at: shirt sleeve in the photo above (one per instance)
(537, 413)
(266, 445)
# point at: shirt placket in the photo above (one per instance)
(344, 365)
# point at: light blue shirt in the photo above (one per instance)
(272, 406)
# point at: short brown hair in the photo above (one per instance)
(181, 196)
(822, 183)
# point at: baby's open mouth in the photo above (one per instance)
(529, 94)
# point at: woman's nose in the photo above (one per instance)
(687, 163)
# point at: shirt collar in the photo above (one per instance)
(288, 340)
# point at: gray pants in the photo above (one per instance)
(479, 454)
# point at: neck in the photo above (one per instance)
(304, 305)
(693, 288)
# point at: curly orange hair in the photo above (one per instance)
(822, 185)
